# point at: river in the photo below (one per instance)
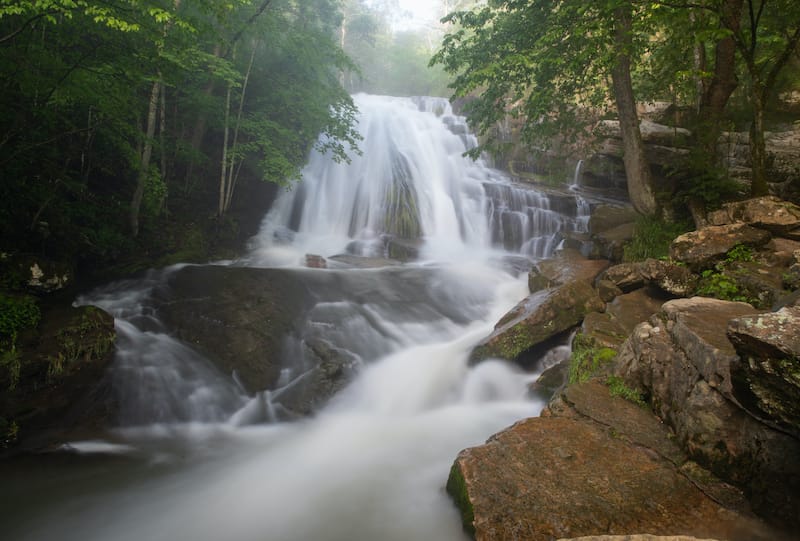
(196, 458)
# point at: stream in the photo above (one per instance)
(195, 457)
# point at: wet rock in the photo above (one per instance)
(315, 261)
(681, 359)
(781, 218)
(703, 248)
(674, 279)
(766, 381)
(237, 316)
(562, 476)
(541, 316)
(54, 385)
(626, 276)
(564, 266)
(307, 393)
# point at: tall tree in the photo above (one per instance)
(547, 63)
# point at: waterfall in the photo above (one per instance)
(412, 183)
(576, 179)
(203, 460)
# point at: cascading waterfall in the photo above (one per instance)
(373, 462)
(412, 183)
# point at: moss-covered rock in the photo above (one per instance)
(541, 316)
(59, 387)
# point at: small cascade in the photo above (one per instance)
(576, 179)
(158, 378)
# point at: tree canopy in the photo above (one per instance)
(114, 113)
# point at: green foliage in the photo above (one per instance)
(720, 282)
(740, 252)
(587, 358)
(10, 361)
(652, 238)
(618, 387)
(717, 283)
(16, 314)
(534, 61)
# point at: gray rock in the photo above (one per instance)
(682, 360)
(766, 381)
(238, 316)
(626, 276)
(674, 279)
(779, 217)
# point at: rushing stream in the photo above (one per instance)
(196, 458)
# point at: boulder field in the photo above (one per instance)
(707, 353)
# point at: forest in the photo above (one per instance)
(273, 268)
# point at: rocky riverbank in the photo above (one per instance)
(713, 450)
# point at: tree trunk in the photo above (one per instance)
(758, 148)
(144, 165)
(231, 183)
(224, 175)
(637, 170)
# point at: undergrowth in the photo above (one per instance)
(652, 238)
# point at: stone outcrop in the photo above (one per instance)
(766, 378)
(594, 464)
(777, 216)
(541, 316)
(703, 248)
(681, 359)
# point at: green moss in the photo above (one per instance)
(16, 314)
(587, 358)
(618, 387)
(457, 489)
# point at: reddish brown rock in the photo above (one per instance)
(551, 477)
(703, 248)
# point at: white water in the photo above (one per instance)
(373, 463)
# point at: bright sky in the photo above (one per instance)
(422, 11)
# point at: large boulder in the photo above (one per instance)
(707, 246)
(564, 266)
(766, 381)
(601, 466)
(539, 317)
(674, 279)
(238, 316)
(681, 358)
(781, 218)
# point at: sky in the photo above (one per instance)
(422, 11)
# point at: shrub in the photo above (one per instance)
(652, 238)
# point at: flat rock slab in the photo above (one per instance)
(565, 266)
(547, 478)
